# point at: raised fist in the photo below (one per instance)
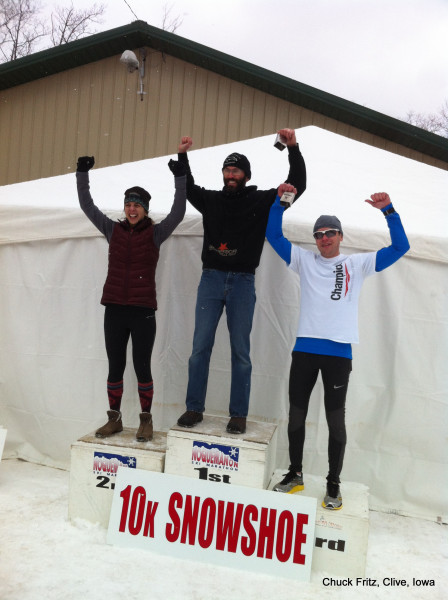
(185, 144)
(85, 163)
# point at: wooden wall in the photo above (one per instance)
(96, 109)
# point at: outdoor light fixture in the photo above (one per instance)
(130, 60)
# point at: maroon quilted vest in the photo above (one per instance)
(133, 259)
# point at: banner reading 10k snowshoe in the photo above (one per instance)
(232, 526)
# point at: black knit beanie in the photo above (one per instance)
(239, 161)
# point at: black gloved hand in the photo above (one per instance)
(177, 168)
(85, 163)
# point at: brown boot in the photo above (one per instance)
(144, 433)
(114, 425)
(236, 425)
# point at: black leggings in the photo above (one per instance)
(335, 372)
(120, 322)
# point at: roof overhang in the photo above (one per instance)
(139, 34)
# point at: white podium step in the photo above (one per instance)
(208, 452)
(341, 536)
(94, 465)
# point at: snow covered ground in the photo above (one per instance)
(44, 555)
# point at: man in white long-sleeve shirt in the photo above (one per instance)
(328, 324)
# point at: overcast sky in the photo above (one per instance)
(388, 55)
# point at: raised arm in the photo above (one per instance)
(400, 244)
(195, 194)
(92, 212)
(184, 145)
(297, 169)
(166, 227)
(274, 232)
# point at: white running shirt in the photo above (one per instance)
(330, 289)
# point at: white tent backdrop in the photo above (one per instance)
(53, 362)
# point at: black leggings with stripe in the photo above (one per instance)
(120, 323)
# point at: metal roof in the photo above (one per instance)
(139, 34)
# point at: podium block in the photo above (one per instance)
(94, 466)
(341, 536)
(208, 452)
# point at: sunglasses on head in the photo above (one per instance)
(318, 235)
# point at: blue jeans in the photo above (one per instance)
(235, 291)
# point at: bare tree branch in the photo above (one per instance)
(170, 23)
(69, 24)
(433, 122)
(22, 28)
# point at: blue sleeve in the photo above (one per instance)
(274, 233)
(400, 245)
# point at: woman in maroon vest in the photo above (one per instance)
(129, 293)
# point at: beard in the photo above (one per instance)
(233, 188)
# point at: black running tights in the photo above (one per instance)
(139, 323)
(335, 373)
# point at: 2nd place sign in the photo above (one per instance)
(231, 526)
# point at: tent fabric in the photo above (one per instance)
(341, 174)
(54, 366)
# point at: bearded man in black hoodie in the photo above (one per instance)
(234, 221)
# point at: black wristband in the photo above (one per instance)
(389, 211)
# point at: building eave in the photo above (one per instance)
(139, 34)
